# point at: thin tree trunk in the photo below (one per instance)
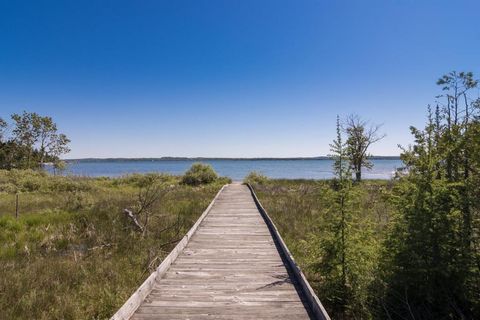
(344, 273)
(358, 175)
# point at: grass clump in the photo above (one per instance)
(199, 173)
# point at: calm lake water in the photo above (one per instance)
(235, 169)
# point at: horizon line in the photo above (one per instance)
(374, 157)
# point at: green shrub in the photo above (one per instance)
(14, 181)
(140, 180)
(22, 180)
(255, 178)
(199, 173)
(69, 184)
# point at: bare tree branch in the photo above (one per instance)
(361, 135)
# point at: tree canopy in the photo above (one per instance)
(30, 141)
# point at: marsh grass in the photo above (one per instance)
(303, 210)
(72, 254)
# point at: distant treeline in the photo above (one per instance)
(209, 159)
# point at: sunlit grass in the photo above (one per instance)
(72, 254)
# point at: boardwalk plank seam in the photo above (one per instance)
(313, 301)
(135, 300)
(232, 264)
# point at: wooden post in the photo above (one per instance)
(16, 206)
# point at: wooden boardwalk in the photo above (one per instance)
(231, 268)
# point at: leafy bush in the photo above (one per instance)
(21, 180)
(199, 173)
(255, 178)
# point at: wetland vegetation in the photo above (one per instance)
(73, 253)
(402, 249)
(405, 248)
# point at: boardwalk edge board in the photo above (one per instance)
(313, 302)
(135, 300)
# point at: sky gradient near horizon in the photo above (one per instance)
(218, 78)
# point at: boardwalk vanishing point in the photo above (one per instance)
(232, 264)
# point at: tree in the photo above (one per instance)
(10, 158)
(432, 254)
(38, 139)
(47, 135)
(456, 110)
(361, 135)
(346, 244)
(334, 244)
(57, 146)
(26, 134)
(341, 164)
(3, 128)
(151, 192)
(59, 166)
(34, 141)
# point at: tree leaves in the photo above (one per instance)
(34, 141)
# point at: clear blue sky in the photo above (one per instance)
(229, 78)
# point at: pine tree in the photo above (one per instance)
(430, 267)
(346, 242)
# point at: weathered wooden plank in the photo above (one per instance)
(229, 269)
(135, 300)
(226, 299)
(298, 311)
(209, 317)
(218, 286)
(278, 304)
(313, 301)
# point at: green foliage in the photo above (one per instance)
(3, 128)
(198, 174)
(341, 164)
(255, 178)
(34, 141)
(347, 250)
(407, 252)
(59, 166)
(307, 214)
(14, 181)
(430, 263)
(140, 180)
(422, 253)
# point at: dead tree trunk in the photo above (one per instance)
(129, 214)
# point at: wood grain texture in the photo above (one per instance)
(314, 303)
(135, 300)
(231, 268)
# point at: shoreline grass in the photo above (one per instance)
(72, 253)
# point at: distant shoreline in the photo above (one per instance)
(209, 159)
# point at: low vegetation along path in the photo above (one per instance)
(231, 268)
